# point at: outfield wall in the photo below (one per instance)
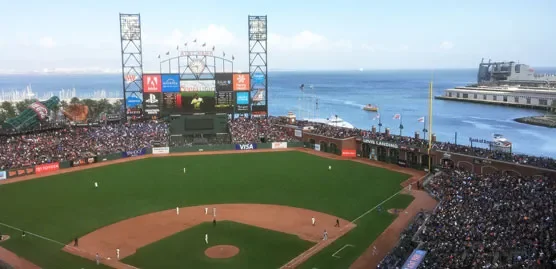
(54, 166)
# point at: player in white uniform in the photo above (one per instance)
(206, 238)
(206, 210)
(325, 235)
(313, 221)
(118, 253)
(214, 211)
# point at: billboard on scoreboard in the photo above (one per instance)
(195, 96)
(242, 102)
(151, 104)
(152, 83)
(241, 82)
(170, 82)
(224, 93)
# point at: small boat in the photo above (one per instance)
(333, 121)
(371, 108)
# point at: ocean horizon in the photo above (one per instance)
(345, 93)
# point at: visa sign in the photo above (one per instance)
(246, 146)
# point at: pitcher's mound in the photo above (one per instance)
(221, 251)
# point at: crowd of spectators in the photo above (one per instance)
(406, 244)
(70, 143)
(490, 221)
(244, 130)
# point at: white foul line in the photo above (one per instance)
(345, 246)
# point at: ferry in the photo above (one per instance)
(371, 108)
(500, 143)
(507, 83)
(333, 121)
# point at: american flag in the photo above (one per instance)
(397, 116)
(421, 119)
(376, 117)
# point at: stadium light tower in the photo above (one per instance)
(258, 64)
(132, 63)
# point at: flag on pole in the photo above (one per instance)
(168, 53)
(397, 116)
(158, 56)
(178, 47)
(204, 44)
(421, 119)
(185, 44)
(213, 47)
(223, 54)
(195, 41)
(233, 57)
(301, 87)
(376, 117)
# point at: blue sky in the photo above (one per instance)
(84, 35)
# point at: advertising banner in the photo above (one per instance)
(133, 101)
(21, 172)
(348, 153)
(279, 145)
(258, 79)
(415, 259)
(317, 147)
(224, 81)
(246, 146)
(40, 109)
(162, 150)
(132, 153)
(241, 82)
(83, 161)
(151, 104)
(152, 83)
(242, 101)
(298, 133)
(381, 143)
(170, 83)
(3, 175)
(47, 167)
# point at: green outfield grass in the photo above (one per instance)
(186, 249)
(66, 206)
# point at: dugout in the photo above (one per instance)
(199, 129)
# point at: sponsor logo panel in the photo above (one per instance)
(279, 145)
(249, 146)
(132, 153)
(47, 167)
(3, 175)
(152, 83)
(170, 83)
(161, 150)
(83, 161)
(349, 153)
(298, 133)
(317, 147)
(241, 82)
(151, 104)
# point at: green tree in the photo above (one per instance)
(22, 105)
(74, 101)
(118, 106)
(93, 107)
(8, 109)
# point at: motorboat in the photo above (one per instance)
(333, 121)
(371, 108)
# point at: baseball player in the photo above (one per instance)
(97, 259)
(325, 235)
(214, 211)
(337, 223)
(313, 221)
(206, 238)
(177, 210)
(184, 170)
(214, 222)
(374, 250)
(118, 253)
(75, 242)
(410, 187)
(206, 210)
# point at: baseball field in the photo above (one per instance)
(262, 203)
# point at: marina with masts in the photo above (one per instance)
(15, 95)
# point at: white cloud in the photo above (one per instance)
(446, 45)
(47, 42)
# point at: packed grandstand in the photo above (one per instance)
(482, 221)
